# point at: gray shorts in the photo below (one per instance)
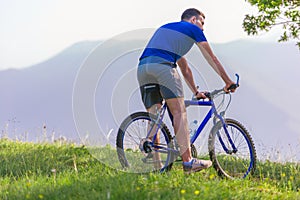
(157, 82)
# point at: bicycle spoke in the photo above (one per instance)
(232, 164)
(129, 139)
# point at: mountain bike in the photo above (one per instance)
(230, 146)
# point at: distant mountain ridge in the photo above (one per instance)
(42, 94)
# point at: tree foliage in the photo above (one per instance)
(271, 13)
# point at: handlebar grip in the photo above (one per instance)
(208, 95)
(236, 85)
(233, 86)
(195, 98)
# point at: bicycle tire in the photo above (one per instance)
(130, 133)
(235, 164)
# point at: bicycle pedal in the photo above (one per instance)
(149, 156)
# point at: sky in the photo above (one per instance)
(33, 30)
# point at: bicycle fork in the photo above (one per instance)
(224, 126)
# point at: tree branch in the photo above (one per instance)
(286, 22)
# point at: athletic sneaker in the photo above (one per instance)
(196, 165)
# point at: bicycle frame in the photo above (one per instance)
(211, 112)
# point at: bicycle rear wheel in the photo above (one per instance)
(131, 132)
(230, 162)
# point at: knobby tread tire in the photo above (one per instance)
(211, 146)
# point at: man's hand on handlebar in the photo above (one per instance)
(200, 95)
(230, 87)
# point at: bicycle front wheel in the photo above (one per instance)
(132, 131)
(233, 153)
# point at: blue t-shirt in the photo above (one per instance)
(173, 40)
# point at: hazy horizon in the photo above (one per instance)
(53, 54)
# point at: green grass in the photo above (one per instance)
(49, 171)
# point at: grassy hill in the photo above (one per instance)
(66, 171)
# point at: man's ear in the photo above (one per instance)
(193, 19)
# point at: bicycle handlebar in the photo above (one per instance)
(236, 85)
(210, 95)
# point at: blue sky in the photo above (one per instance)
(34, 30)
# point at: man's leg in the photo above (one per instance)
(178, 110)
(156, 156)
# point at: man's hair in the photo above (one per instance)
(188, 13)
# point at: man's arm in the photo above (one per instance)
(214, 63)
(188, 76)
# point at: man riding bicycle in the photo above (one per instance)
(159, 79)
